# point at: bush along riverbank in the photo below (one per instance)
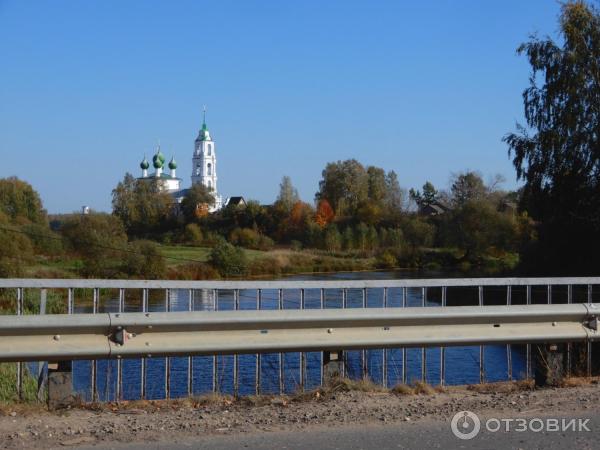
(224, 260)
(228, 261)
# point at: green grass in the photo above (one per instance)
(198, 254)
(8, 385)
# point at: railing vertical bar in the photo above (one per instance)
(236, 360)
(95, 300)
(70, 301)
(190, 367)
(528, 347)
(363, 353)
(302, 354)
(384, 353)
(168, 359)
(569, 301)
(281, 371)
(145, 301)
(508, 346)
(322, 306)
(119, 393)
(404, 358)
(215, 361)
(94, 375)
(41, 374)
(549, 294)
(20, 365)
(258, 355)
(443, 349)
(423, 351)
(20, 301)
(344, 306)
(481, 348)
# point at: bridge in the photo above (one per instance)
(60, 321)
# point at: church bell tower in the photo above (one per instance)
(204, 163)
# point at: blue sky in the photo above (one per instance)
(423, 88)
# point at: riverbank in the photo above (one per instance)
(193, 263)
(170, 422)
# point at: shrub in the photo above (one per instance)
(267, 265)
(333, 239)
(386, 260)
(228, 260)
(145, 260)
(193, 234)
(249, 238)
(192, 271)
(43, 239)
(16, 250)
(99, 239)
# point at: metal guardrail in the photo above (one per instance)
(118, 335)
(391, 325)
(294, 284)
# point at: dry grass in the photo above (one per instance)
(502, 387)
(347, 384)
(402, 389)
(213, 399)
(424, 388)
(307, 396)
(258, 400)
(579, 381)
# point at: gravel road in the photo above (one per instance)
(348, 420)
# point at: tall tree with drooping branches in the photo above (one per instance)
(557, 152)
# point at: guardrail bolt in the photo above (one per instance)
(57, 337)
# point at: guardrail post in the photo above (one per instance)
(41, 372)
(60, 385)
(333, 366)
(548, 364)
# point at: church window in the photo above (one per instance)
(209, 169)
(209, 184)
(209, 149)
(197, 170)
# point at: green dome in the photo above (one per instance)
(161, 156)
(144, 165)
(157, 161)
(172, 164)
(202, 135)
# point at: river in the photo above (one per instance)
(461, 363)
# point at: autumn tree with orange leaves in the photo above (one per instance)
(325, 214)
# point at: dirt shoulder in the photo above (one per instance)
(24, 426)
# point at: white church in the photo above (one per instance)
(204, 169)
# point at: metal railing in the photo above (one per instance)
(382, 314)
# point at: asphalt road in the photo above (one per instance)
(422, 435)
